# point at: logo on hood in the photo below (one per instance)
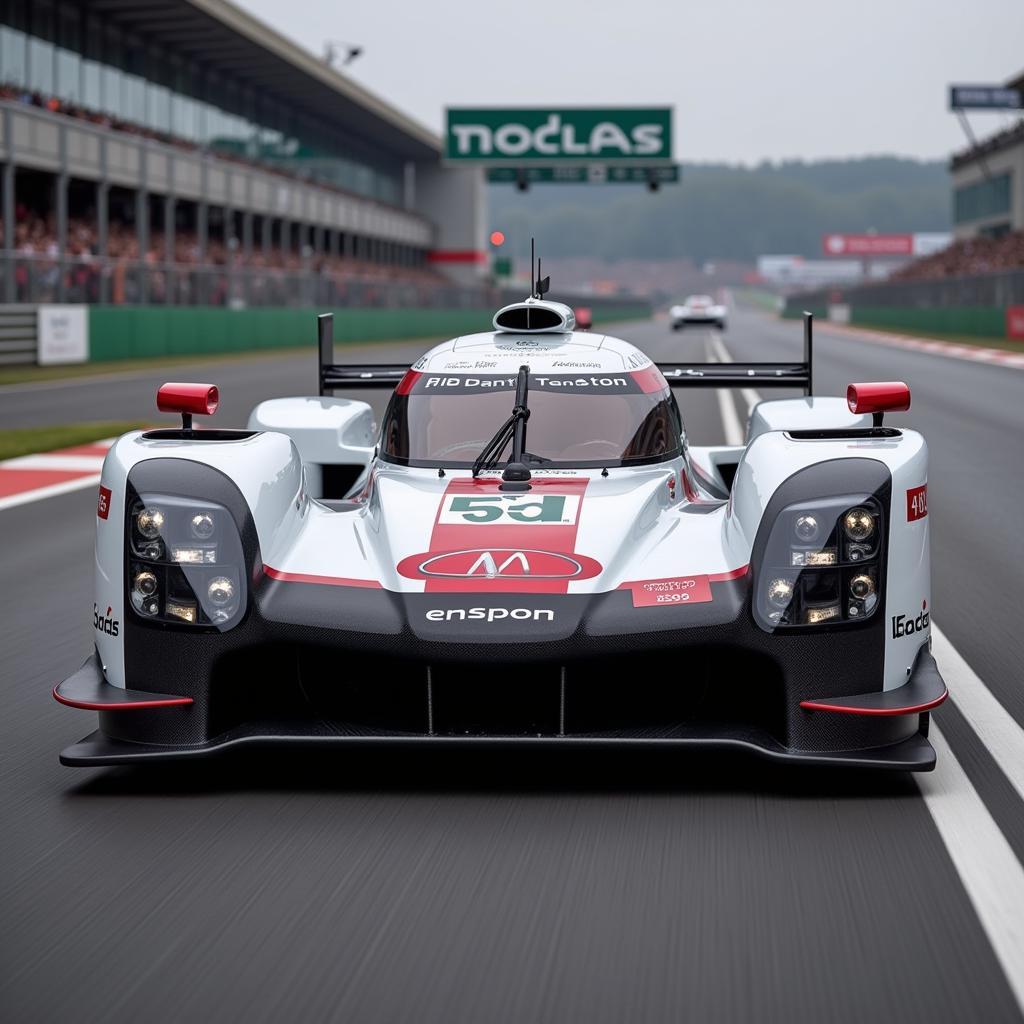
(499, 563)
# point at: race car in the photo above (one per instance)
(527, 551)
(698, 309)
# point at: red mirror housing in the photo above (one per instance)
(190, 399)
(878, 397)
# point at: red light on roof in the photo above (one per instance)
(497, 238)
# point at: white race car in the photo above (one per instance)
(698, 309)
(528, 551)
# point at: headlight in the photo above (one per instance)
(149, 522)
(859, 524)
(821, 564)
(185, 562)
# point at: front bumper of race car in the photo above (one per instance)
(604, 672)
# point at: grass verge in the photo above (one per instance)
(30, 440)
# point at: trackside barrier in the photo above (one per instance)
(977, 306)
(138, 332)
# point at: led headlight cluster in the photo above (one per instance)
(821, 564)
(185, 562)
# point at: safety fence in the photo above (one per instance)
(981, 305)
(76, 333)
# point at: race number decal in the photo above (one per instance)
(917, 503)
(496, 509)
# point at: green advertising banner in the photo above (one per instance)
(573, 135)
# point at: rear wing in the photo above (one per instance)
(679, 375)
(738, 375)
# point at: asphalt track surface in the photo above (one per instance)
(482, 887)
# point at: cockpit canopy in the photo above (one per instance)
(595, 419)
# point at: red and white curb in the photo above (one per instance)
(34, 477)
(951, 349)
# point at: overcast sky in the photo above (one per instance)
(749, 79)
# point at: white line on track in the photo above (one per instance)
(731, 425)
(995, 726)
(51, 491)
(988, 868)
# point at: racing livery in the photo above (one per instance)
(526, 550)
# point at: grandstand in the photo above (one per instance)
(181, 152)
(988, 183)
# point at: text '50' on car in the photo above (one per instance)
(527, 551)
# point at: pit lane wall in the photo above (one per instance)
(49, 334)
(981, 306)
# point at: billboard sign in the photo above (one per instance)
(541, 136)
(63, 334)
(867, 245)
(985, 97)
(599, 174)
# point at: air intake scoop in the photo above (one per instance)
(535, 316)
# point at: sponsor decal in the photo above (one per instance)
(103, 502)
(917, 503)
(475, 517)
(678, 590)
(104, 623)
(908, 625)
(489, 614)
(646, 380)
(525, 510)
(507, 564)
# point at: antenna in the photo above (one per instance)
(533, 273)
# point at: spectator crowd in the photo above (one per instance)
(217, 276)
(968, 257)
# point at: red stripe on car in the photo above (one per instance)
(475, 515)
(650, 380)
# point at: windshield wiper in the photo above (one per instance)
(516, 476)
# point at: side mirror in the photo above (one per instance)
(878, 398)
(189, 400)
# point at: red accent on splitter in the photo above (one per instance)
(842, 709)
(195, 399)
(878, 396)
(121, 705)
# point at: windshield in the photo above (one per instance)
(574, 420)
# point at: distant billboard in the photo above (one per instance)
(867, 245)
(543, 136)
(873, 245)
(985, 97)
